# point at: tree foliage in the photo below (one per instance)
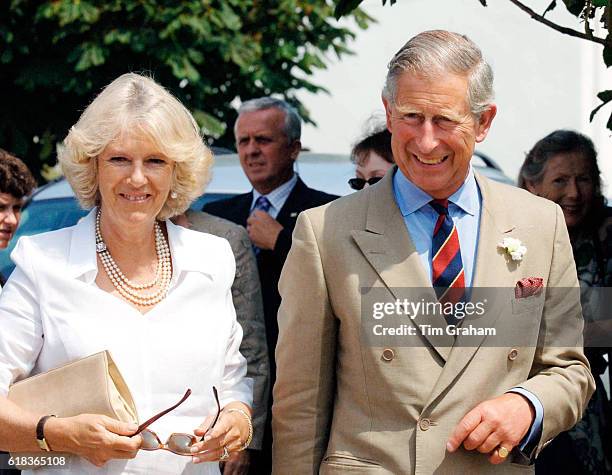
(56, 55)
(588, 11)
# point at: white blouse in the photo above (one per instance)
(52, 312)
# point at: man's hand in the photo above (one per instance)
(237, 464)
(263, 229)
(502, 421)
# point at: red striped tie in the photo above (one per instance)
(448, 277)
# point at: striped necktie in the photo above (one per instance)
(448, 277)
(262, 203)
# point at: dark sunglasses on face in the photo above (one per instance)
(177, 443)
(359, 183)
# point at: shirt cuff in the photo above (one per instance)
(529, 443)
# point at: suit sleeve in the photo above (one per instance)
(246, 294)
(305, 358)
(560, 376)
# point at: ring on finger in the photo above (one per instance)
(225, 454)
(502, 452)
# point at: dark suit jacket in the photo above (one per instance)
(270, 263)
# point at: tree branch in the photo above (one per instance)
(587, 14)
(562, 29)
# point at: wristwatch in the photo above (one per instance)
(40, 433)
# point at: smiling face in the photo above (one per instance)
(568, 181)
(10, 214)
(434, 132)
(266, 156)
(134, 180)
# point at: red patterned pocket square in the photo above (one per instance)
(528, 286)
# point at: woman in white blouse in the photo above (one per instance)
(125, 279)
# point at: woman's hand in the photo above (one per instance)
(94, 437)
(231, 431)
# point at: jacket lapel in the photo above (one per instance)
(294, 204)
(242, 209)
(387, 246)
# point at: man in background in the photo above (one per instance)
(267, 134)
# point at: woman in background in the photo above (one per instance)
(372, 156)
(563, 168)
(16, 182)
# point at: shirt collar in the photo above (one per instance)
(83, 259)
(278, 196)
(412, 198)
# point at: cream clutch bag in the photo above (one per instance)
(91, 385)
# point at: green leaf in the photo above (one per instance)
(550, 7)
(230, 19)
(209, 124)
(182, 68)
(91, 55)
(6, 57)
(116, 36)
(344, 7)
(605, 97)
(575, 7)
(600, 3)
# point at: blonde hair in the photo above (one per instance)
(135, 102)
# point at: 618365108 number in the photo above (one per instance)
(37, 460)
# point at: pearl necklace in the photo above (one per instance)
(128, 289)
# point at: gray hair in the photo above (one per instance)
(293, 122)
(436, 52)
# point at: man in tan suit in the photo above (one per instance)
(432, 402)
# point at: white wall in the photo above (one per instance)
(544, 80)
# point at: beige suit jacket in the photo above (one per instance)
(344, 406)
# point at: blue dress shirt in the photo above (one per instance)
(464, 208)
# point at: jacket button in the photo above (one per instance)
(513, 354)
(424, 424)
(388, 354)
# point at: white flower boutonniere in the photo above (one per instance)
(514, 247)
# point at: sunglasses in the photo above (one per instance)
(359, 183)
(177, 443)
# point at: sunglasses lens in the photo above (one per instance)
(374, 180)
(149, 440)
(180, 443)
(357, 183)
